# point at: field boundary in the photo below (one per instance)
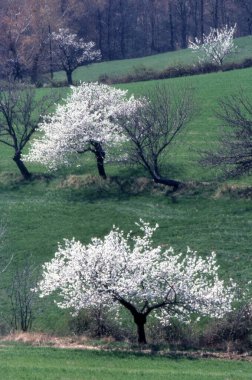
(85, 343)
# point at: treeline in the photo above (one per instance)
(133, 28)
(119, 28)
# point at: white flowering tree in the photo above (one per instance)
(85, 122)
(72, 52)
(127, 271)
(216, 46)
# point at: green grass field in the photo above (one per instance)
(27, 363)
(40, 214)
(156, 62)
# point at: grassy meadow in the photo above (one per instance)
(27, 363)
(209, 215)
(156, 62)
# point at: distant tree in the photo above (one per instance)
(22, 298)
(234, 152)
(183, 10)
(246, 7)
(72, 52)
(14, 25)
(25, 35)
(154, 128)
(216, 46)
(85, 122)
(20, 113)
(4, 265)
(128, 271)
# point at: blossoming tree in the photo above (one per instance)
(128, 271)
(218, 44)
(72, 52)
(85, 122)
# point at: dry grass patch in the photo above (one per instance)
(233, 191)
(43, 339)
(84, 343)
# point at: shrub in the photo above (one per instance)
(97, 322)
(231, 333)
(142, 73)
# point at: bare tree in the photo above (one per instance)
(20, 112)
(22, 297)
(4, 265)
(234, 153)
(156, 127)
(183, 10)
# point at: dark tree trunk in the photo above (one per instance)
(99, 30)
(216, 14)
(195, 25)
(202, 21)
(184, 33)
(164, 180)
(69, 78)
(172, 41)
(122, 37)
(167, 182)
(16, 66)
(21, 166)
(50, 51)
(140, 320)
(109, 35)
(34, 71)
(100, 156)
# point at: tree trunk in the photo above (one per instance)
(172, 41)
(69, 78)
(216, 14)
(168, 182)
(163, 180)
(202, 21)
(140, 320)
(50, 51)
(34, 70)
(21, 166)
(100, 156)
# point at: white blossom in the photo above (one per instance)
(89, 114)
(125, 270)
(216, 45)
(72, 52)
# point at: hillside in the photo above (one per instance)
(74, 202)
(155, 62)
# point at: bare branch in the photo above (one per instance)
(20, 113)
(154, 129)
(234, 152)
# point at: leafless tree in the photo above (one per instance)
(20, 112)
(155, 129)
(6, 263)
(22, 298)
(234, 153)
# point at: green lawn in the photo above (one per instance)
(27, 363)
(157, 62)
(40, 214)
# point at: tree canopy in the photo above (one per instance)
(129, 271)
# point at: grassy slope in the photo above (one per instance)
(156, 62)
(203, 131)
(26, 363)
(40, 214)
